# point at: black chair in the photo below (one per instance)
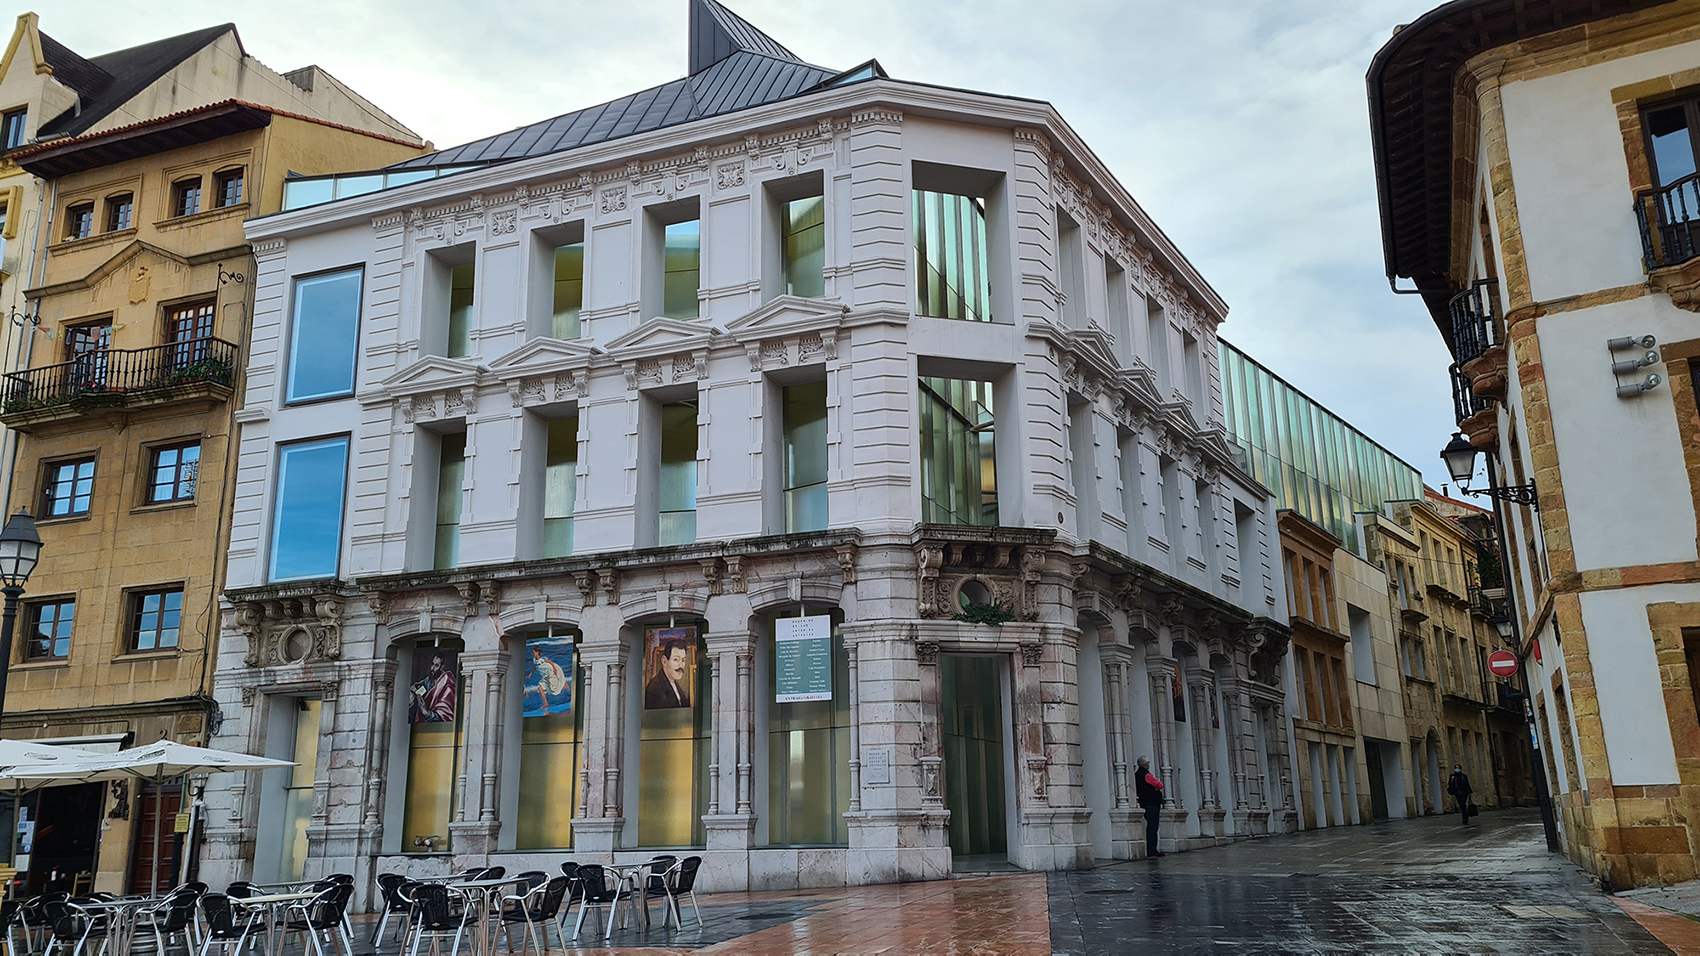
(575, 892)
(392, 901)
(533, 879)
(539, 906)
(437, 915)
(32, 917)
(321, 918)
(241, 890)
(660, 866)
(227, 926)
(493, 873)
(72, 927)
(683, 882)
(595, 889)
(172, 917)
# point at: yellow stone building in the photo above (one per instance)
(125, 413)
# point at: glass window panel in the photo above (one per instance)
(307, 512)
(560, 487)
(451, 473)
(308, 192)
(805, 246)
(549, 774)
(682, 260)
(808, 761)
(678, 485)
(950, 256)
(298, 792)
(68, 489)
(1672, 141)
(358, 185)
(569, 291)
(434, 751)
(673, 755)
(326, 328)
(173, 474)
(460, 310)
(48, 629)
(805, 456)
(959, 477)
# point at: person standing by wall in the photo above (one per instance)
(1459, 786)
(1150, 792)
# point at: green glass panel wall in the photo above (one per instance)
(451, 471)
(682, 264)
(805, 246)
(971, 724)
(952, 279)
(805, 456)
(678, 473)
(1313, 461)
(298, 793)
(569, 291)
(673, 757)
(460, 311)
(560, 476)
(958, 452)
(808, 761)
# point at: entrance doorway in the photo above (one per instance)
(61, 839)
(154, 837)
(972, 718)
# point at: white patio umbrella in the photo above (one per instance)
(29, 752)
(157, 762)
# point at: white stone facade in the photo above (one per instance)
(1117, 584)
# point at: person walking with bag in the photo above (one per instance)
(1459, 787)
(1150, 792)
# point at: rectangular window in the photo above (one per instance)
(460, 310)
(1194, 359)
(1171, 473)
(1673, 140)
(12, 124)
(549, 765)
(186, 196)
(681, 269)
(86, 352)
(79, 221)
(154, 619)
(1071, 269)
(1363, 644)
(805, 456)
(678, 485)
(805, 246)
(451, 474)
(307, 510)
(560, 479)
(120, 212)
(952, 278)
(1157, 345)
(1116, 307)
(188, 330)
(1133, 493)
(69, 488)
(173, 472)
(1083, 471)
(958, 452)
(808, 758)
(568, 297)
(227, 187)
(324, 332)
(48, 625)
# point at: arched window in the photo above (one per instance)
(551, 689)
(670, 691)
(434, 700)
(186, 196)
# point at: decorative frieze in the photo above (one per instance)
(294, 629)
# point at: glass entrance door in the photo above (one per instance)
(298, 792)
(971, 718)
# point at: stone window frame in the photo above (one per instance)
(31, 609)
(1681, 282)
(1682, 376)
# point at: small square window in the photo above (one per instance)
(12, 124)
(69, 488)
(79, 220)
(172, 473)
(227, 187)
(47, 633)
(186, 196)
(154, 619)
(120, 212)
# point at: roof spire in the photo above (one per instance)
(717, 33)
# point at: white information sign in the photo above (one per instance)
(802, 659)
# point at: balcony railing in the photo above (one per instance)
(1464, 401)
(115, 376)
(1474, 329)
(1669, 218)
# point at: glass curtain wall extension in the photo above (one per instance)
(958, 452)
(951, 273)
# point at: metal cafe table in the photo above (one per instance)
(479, 893)
(637, 874)
(272, 902)
(122, 915)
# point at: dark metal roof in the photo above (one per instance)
(126, 73)
(1411, 87)
(733, 66)
(199, 124)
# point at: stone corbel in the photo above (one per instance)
(928, 560)
(586, 583)
(379, 604)
(926, 653)
(846, 563)
(1036, 772)
(734, 580)
(1032, 654)
(608, 579)
(711, 574)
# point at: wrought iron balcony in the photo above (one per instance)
(1465, 404)
(1474, 327)
(1669, 218)
(202, 367)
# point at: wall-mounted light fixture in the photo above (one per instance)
(1632, 366)
(1460, 458)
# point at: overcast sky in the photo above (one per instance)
(1240, 126)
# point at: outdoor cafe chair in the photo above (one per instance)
(227, 927)
(575, 892)
(172, 917)
(435, 915)
(336, 879)
(32, 918)
(389, 890)
(321, 918)
(73, 928)
(598, 891)
(537, 907)
(240, 890)
(533, 878)
(682, 881)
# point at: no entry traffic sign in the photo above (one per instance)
(1502, 663)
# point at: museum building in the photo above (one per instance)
(816, 471)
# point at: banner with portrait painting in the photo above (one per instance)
(548, 677)
(669, 667)
(434, 693)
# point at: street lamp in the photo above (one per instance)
(20, 549)
(1460, 458)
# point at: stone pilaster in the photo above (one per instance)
(602, 656)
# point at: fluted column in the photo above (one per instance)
(1204, 744)
(377, 747)
(746, 728)
(1162, 673)
(855, 731)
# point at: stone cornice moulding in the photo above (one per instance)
(1030, 118)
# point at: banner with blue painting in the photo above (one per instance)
(548, 677)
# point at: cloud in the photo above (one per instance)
(1240, 125)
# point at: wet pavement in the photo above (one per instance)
(1419, 886)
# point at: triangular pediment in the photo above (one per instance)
(661, 336)
(788, 315)
(133, 250)
(544, 356)
(1095, 342)
(1181, 417)
(433, 373)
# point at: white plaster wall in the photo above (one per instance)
(1626, 676)
(1624, 478)
(1572, 179)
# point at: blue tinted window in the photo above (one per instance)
(307, 517)
(325, 329)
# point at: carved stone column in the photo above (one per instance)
(602, 656)
(1161, 673)
(855, 731)
(1203, 738)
